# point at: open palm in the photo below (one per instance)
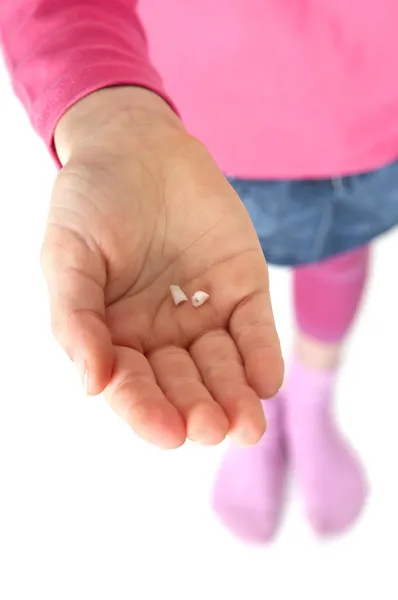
(120, 232)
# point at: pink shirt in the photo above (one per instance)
(275, 88)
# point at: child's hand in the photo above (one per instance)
(140, 205)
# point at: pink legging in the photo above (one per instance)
(327, 295)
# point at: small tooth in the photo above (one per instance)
(177, 294)
(199, 298)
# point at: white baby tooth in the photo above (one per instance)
(199, 298)
(177, 294)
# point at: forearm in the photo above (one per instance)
(58, 52)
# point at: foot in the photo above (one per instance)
(249, 489)
(328, 472)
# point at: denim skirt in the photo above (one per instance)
(305, 221)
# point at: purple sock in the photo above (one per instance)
(249, 489)
(327, 470)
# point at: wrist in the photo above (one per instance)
(104, 114)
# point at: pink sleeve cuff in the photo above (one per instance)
(58, 51)
(50, 108)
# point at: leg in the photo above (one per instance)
(327, 298)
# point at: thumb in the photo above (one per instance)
(76, 278)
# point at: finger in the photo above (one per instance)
(179, 378)
(222, 371)
(135, 396)
(75, 278)
(252, 326)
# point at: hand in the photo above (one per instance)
(138, 206)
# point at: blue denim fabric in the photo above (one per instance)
(305, 221)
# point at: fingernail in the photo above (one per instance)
(82, 371)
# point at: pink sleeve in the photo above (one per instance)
(58, 51)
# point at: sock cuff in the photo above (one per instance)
(301, 377)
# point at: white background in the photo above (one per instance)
(89, 512)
